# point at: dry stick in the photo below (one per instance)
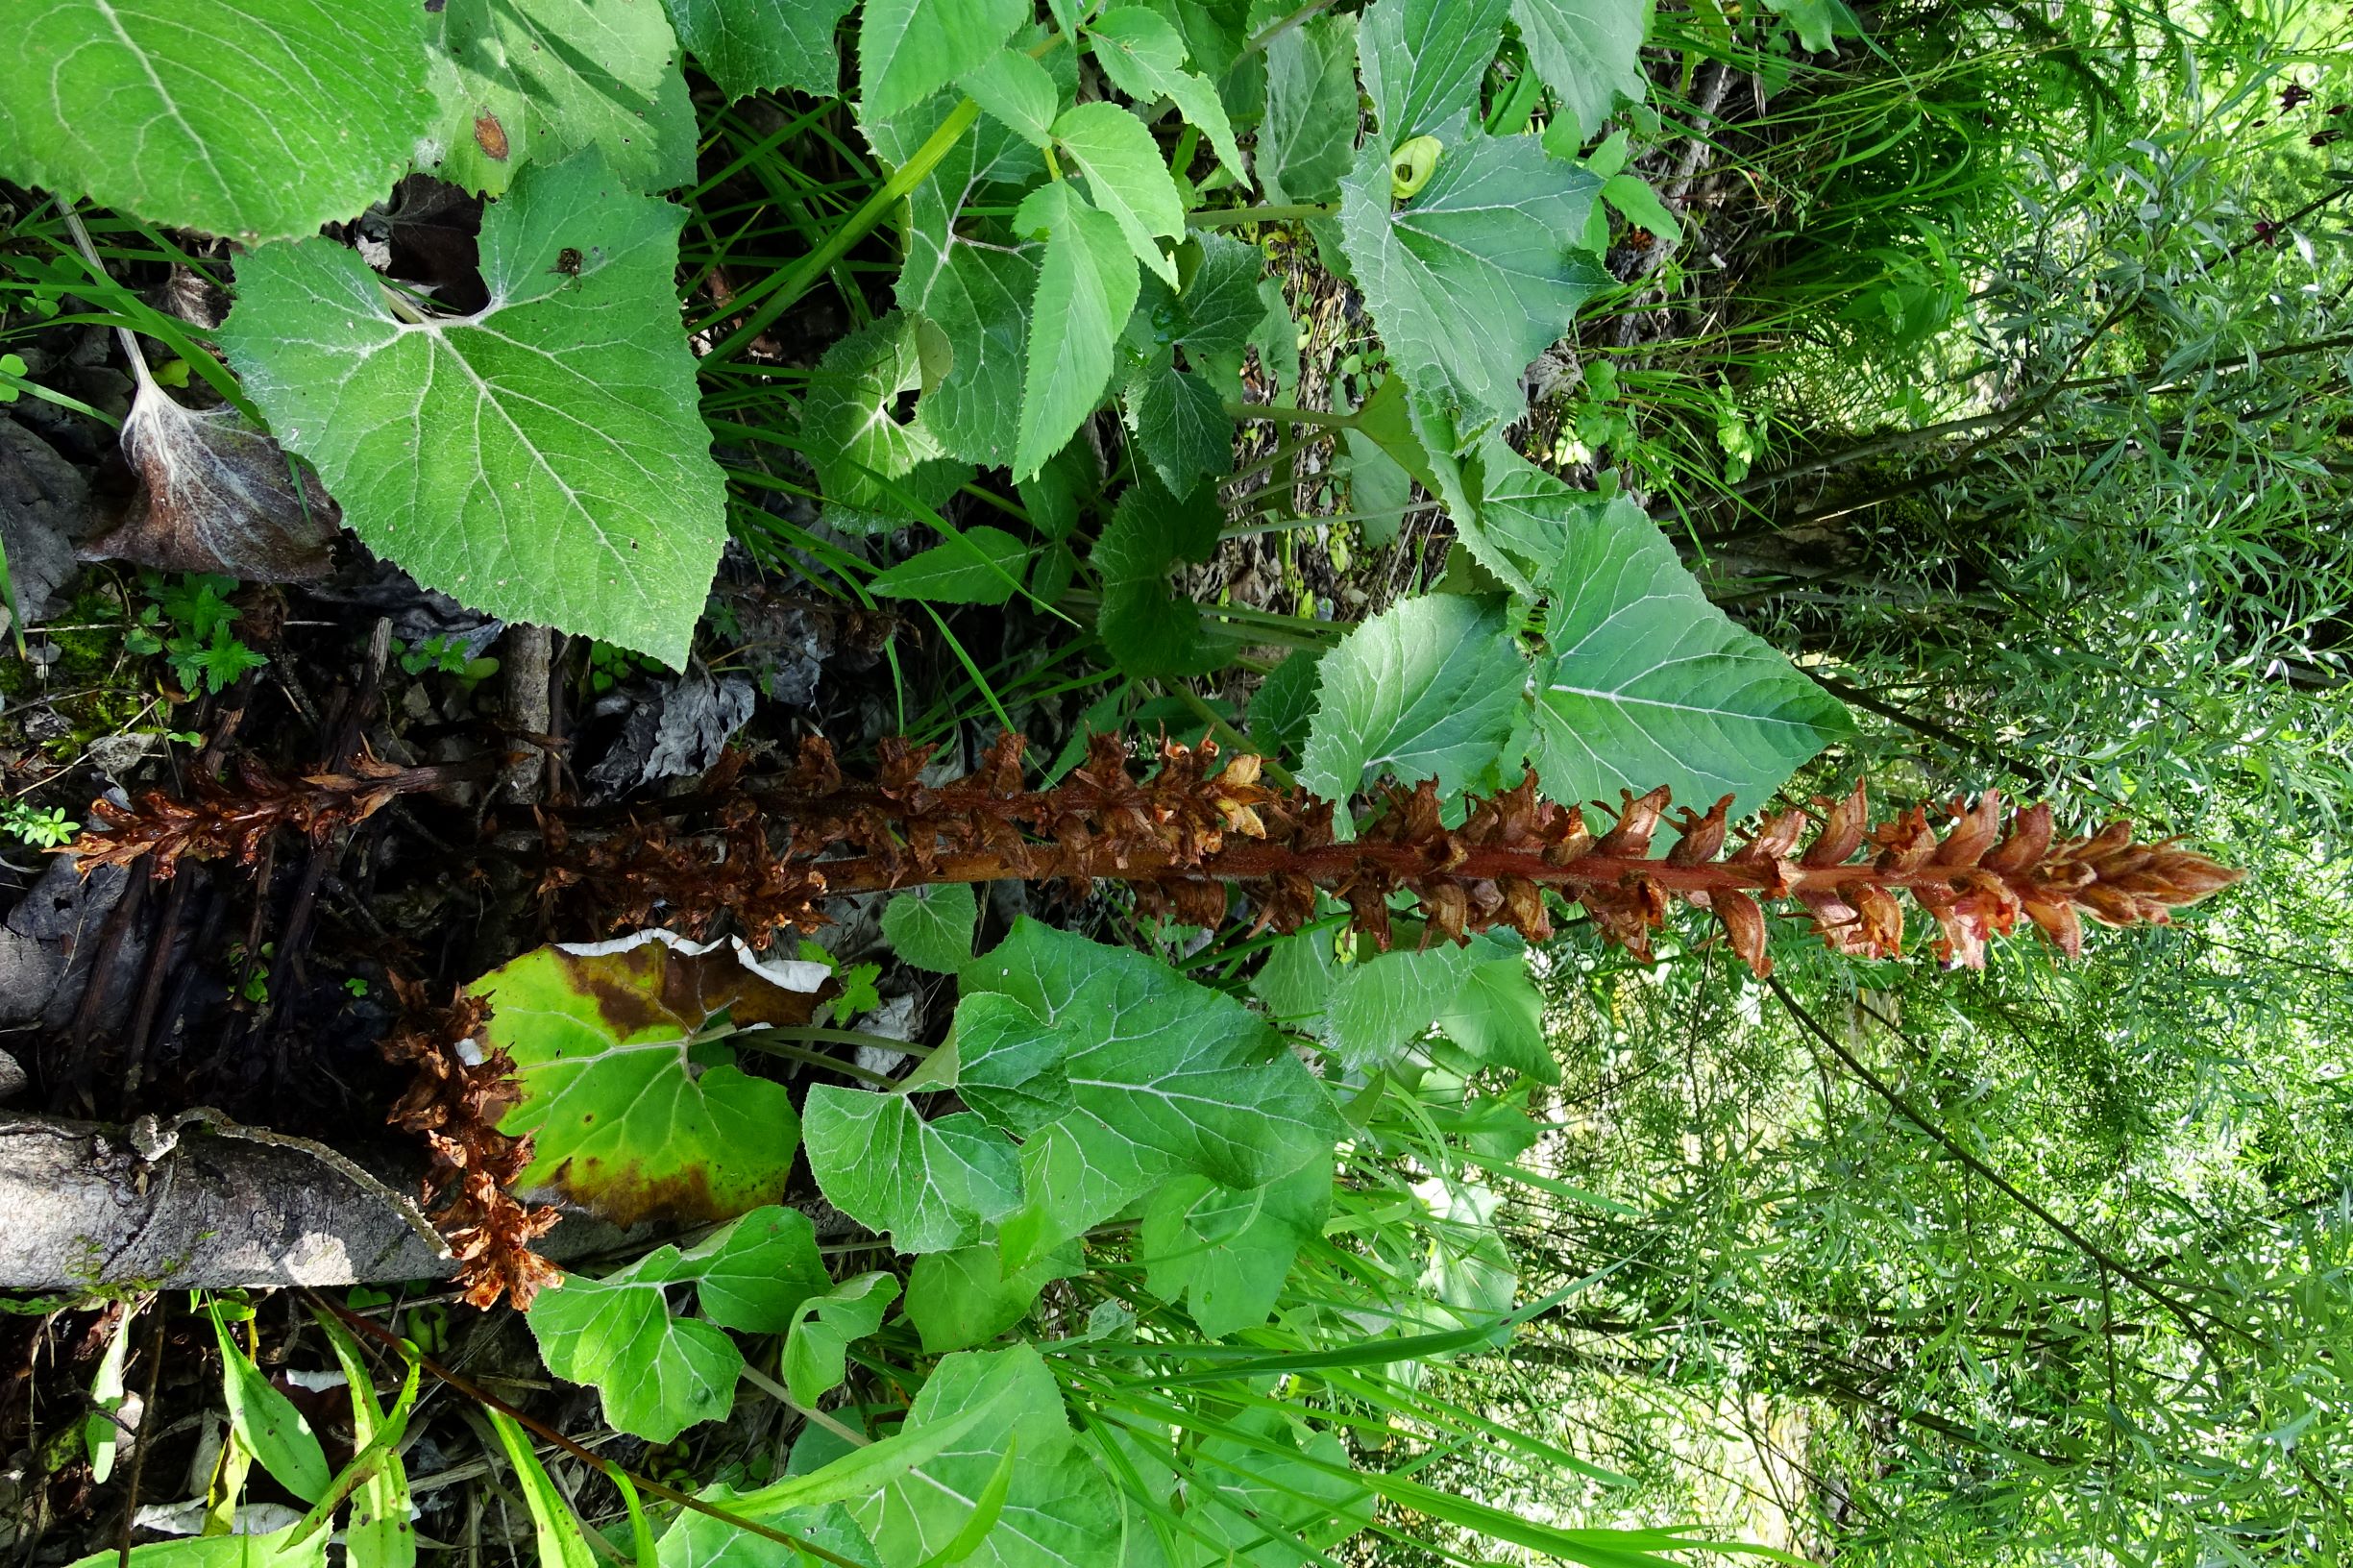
(139, 1449)
(2181, 1311)
(596, 1461)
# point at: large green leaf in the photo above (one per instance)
(1165, 1077)
(1498, 1020)
(1425, 689)
(1587, 51)
(697, 1540)
(1475, 275)
(910, 49)
(1228, 1252)
(1651, 684)
(968, 273)
(1058, 1511)
(542, 458)
(536, 81)
(1308, 138)
(1423, 61)
(750, 44)
(930, 1184)
(967, 1297)
(657, 1371)
(631, 1119)
(1385, 1001)
(1086, 286)
(1126, 177)
(1265, 1493)
(259, 119)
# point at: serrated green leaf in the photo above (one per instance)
(1219, 306)
(816, 1344)
(752, 1275)
(1180, 423)
(1296, 980)
(657, 1374)
(543, 458)
(929, 1185)
(1476, 276)
(1165, 1077)
(1423, 63)
(1284, 702)
(1228, 1250)
(1498, 1018)
(1651, 684)
(1126, 177)
(1589, 52)
(258, 120)
(1308, 139)
(1018, 91)
(910, 49)
(932, 927)
(964, 1297)
(747, 45)
(630, 1117)
(267, 1423)
(1147, 630)
(1426, 689)
(1086, 286)
(1276, 337)
(982, 566)
(967, 272)
(1144, 57)
(535, 82)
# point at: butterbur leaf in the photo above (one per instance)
(817, 1343)
(1308, 139)
(267, 1423)
(1126, 177)
(1426, 689)
(850, 423)
(1009, 1065)
(656, 1371)
(525, 82)
(697, 1540)
(747, 45)
(257, 119)
(1475, 275)
(1423, 61)
(630, 1119)
(970, 275)
(1144, 57)
(981, 566)
(910, 49)
(1056, 1506)
(1498, 1019)
(217, 494)
(1587, 51)
(932, 927)
(1228, 1252)
(1650, 684)
(1383, 1002)
(1085, 287)
(1165, 1076)
(929, 1185)
(543, 458)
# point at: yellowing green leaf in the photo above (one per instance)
(630, 1117)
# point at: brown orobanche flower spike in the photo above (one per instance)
(455, 1103)
(1190, 838)
(1193, 838)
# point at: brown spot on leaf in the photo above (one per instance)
(490, 136)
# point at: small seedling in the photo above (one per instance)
(48, 829)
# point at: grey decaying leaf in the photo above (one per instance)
(44, 506)
(675, 733)
(215, 495)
